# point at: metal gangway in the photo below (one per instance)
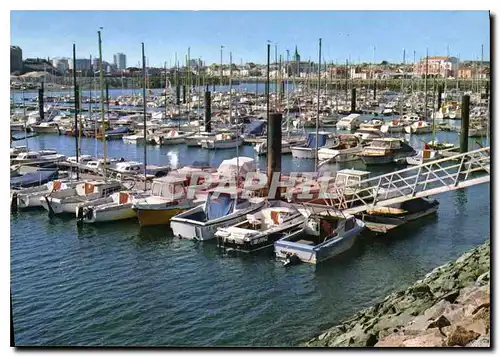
(431, 178)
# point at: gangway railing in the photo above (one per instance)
(434, 177)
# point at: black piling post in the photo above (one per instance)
(375, 90)
(274, 148)
(282, 90)
(208, 112)
(464, 132)
(40, 102)
(184, 94)
(353, 100)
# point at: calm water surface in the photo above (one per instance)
(116, 284)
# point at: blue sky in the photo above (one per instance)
(345, 34)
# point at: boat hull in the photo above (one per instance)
(115, 213)
(156, 217)
(317, 254)
(190, 229)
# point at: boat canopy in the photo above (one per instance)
(255, 128)
(219, 207)
(230, 167)
(32, 179)
(311, 140)
(200, 164)
(119, 130)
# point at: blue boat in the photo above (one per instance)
(32, 179)
(255, 128)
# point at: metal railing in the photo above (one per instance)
(437, 176)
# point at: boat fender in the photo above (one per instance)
(13, 203)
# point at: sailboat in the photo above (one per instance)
(119, 205)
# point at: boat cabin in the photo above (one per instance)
(386, 144)
(169, 187)
(350, 177)
(129, 167)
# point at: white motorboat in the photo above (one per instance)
(261, 229)
(134, 139)
(372, 124)
(195, 140)
(46, 128)
(350, 122)
(321, 237)
(116, 207)
(422, 157)
(346, 150)
(66, 201)
(368, 134)
(172, 137)
(38, 157)
(222, 141)
(221, 209)
(169, 196)
(419, 127)
(394, 126)
(385, 151)
(286, 146)
(30, 197)
(308, 150)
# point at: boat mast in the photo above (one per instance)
(402, 85)
(434, 110)
(165, 96)
(25, 118)
(90, 103)
(188, 99)
(425, 81)
(317, 112)
(144, 110)
(75, 87)
(230, 116)
(101, 84)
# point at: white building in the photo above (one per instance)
(120, 61)
(61, 64)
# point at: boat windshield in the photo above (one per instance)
(346, 180)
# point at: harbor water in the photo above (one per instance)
(117, 284)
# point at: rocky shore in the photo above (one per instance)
(449, 307)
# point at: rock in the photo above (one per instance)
(451, 297)
(436, 310)
(323, 336)
(460, 336)
(432, 338)
(393, 340)
(440, 322)
(482, 341)
(484, 278)
(421, 289)
(475, 296)
(371, 340)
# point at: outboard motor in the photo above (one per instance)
(291, 260)
(79, 216)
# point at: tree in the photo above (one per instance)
(384, 63)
